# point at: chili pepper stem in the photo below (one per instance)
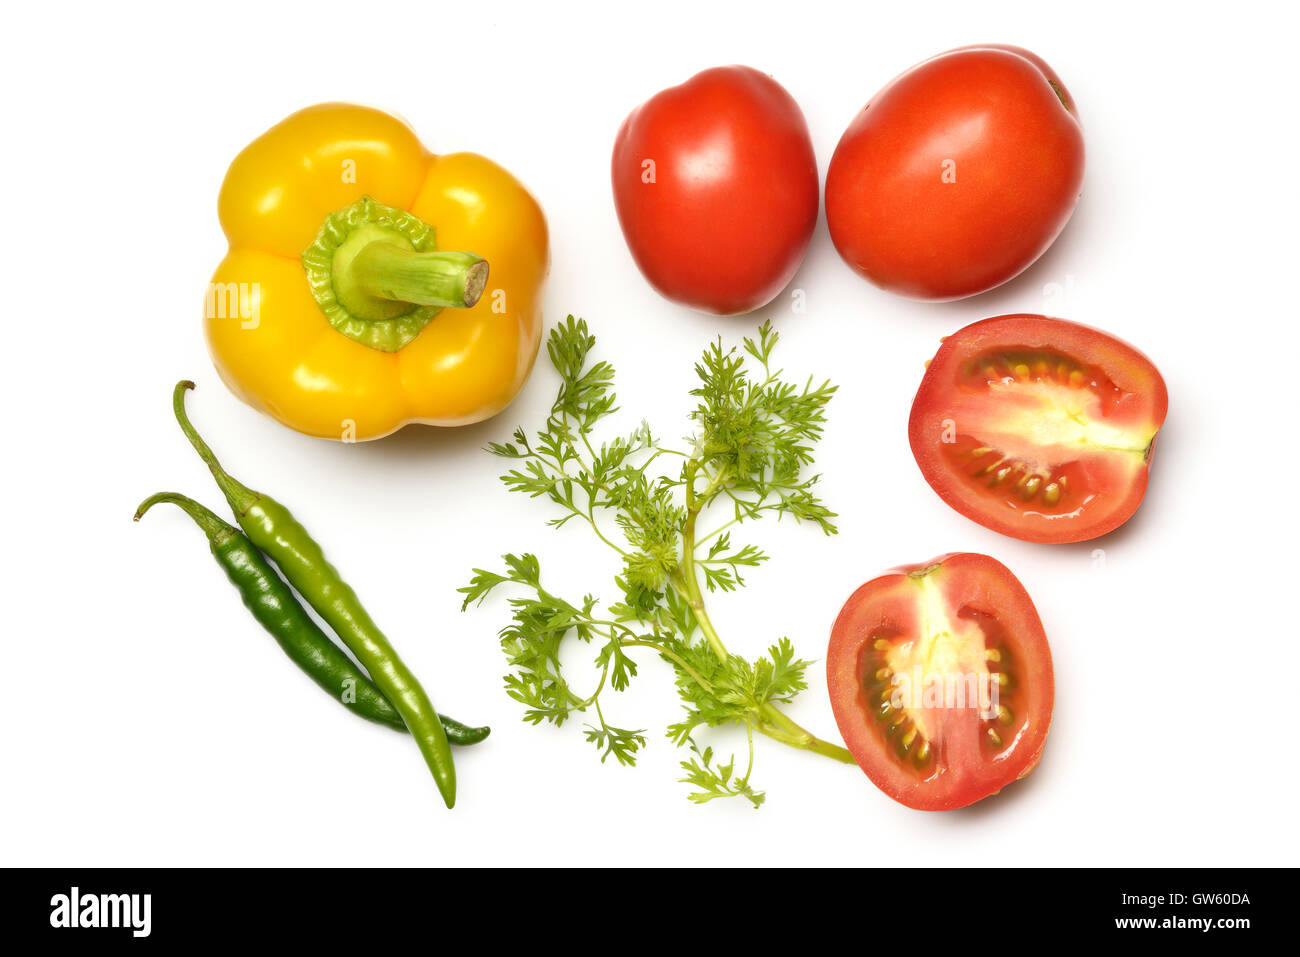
(240, 496)
(213, 527)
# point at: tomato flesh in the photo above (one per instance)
(1038, 428)
(941, 681)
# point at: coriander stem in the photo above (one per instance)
(776, 724)
(590, 516)
(782, 728)
(604, 675)
(717, 531)
(675, 659)
(691, 584)
(832, 751)
(591, 498)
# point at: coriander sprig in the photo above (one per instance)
(753, 439)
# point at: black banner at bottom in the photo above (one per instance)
(338, 907)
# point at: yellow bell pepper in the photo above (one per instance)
(370, 284)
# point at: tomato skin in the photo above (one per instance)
(966, 769)
(726, 221)
(1109, 484)
(1016, 151)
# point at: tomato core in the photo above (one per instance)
(960, 664)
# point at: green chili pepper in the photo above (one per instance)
(458, 734)
(272, 528)
(278, 611)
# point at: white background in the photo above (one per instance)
(147, 720)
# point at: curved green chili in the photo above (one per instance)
(278, 611)
(272, 528)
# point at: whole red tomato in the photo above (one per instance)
(957, 175)
(715, 183)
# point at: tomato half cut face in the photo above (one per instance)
(941, 681)
(1038, 428)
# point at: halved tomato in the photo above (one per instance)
(941, 681)
(1038, 428)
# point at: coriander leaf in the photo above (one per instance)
(716, 782)
(619, 742)
(754, 436)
